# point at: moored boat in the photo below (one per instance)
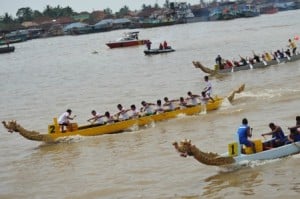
(7, 49)
(233, 157)
(262, 64)
(152, 23)
(129, 39)
(158, 51)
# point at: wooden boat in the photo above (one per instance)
(54, 132)
(233, 157)
(158, 51)
(259, 65)
(129, 39)
(92, 130)
(7, 49)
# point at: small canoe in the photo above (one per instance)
(158, 51)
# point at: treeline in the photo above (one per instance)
(27, 14)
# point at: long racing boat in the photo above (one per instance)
(54, 131)
(248, 66)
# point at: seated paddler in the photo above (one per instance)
(244, 132)
(278, 137)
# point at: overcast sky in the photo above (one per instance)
(12, 6)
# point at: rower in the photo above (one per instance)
(147, 108)
(122, 112)
(193, 97)
(97, 118)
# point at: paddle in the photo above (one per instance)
(251, 66)
(265, 63)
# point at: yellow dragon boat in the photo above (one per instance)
(54, 132)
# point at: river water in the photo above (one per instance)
(44, 77)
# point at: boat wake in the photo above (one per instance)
(70, 139)
(268, 93)
(226, 104)
(245, 164)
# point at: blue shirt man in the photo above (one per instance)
(244, 132)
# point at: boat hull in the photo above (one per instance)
(158, 51)
(274, 153)
(119, 44)
(7, 49)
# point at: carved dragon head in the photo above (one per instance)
(11, 126)
(184, 147)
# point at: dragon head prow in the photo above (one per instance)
(11, 126)
(184, 147)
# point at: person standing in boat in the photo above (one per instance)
(277, 134)
(244, 132)
(208, 88)
(219, 62)
(148, 44)
(292, 45)
(97, 118)
(64, 119)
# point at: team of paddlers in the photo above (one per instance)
(265, 57)
(146, 109)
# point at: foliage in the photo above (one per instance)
(123, 12)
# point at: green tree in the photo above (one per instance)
(67, 11)
(107, 11)
(145, 7)
(48, 11)
(167, 4)
(24, 14)
(123, 11)
(7, 18)
(36, 14)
